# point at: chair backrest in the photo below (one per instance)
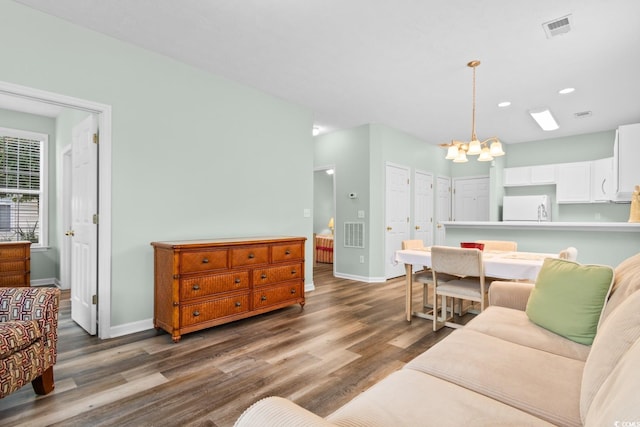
(457, 261)
(412, 244)
(570, 254)
(499, 245)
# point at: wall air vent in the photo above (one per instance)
(558, 26)
(582, 114)
(354, 234)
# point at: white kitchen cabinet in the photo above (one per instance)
(626, 161)
(529, 175)
(573, 182)
(602, 185)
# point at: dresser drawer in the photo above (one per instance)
(13, 280)
(191, 314)
(288, 252)
(204, 285)
(13, 266)
(15, 251)
(270, 275)
(194, 261)
(271, 295)
(241, 257)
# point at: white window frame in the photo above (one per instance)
(43, 215)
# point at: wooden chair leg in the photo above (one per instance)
(44, 383)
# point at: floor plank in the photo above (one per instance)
(349, 336)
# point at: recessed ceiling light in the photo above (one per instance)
(566, 90)
(316, 130)
(504, 104)
(544, 118)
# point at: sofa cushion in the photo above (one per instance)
(540, 383)
(411, 398)
(514, 326)
(619, 332)
(568, 298)
(16, 335)
(626, 282)
(617, 402)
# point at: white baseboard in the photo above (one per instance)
(360, 278)
(130, 328)
(45, 282)
(308, 287)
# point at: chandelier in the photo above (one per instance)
(485, 150)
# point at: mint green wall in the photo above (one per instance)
(349, 152)
(44, 262)
(194, 155)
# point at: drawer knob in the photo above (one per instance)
(293, 291)
(264, 276)
(196, 313)
(196, 287)
(293, 271)
(205, 260)
(263, 298)
(287, 252)
(238, 304)
(237, 280)
(251, 256)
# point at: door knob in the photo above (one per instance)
(417, 227)
(70, 233)
(389, 228)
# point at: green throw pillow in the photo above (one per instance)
(568, 298)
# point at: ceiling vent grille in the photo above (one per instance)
(582, 114)
(558, 26)
(354, 234)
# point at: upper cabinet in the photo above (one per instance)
(573, 182)
(626, 166)
(602, 185)
(529, 175)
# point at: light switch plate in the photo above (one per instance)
(307, 213)
(360, 214)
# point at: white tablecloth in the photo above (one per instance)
(504, 265)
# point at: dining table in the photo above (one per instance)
(508, 265)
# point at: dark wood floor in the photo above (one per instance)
(349, 336)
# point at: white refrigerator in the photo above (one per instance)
(526, 208)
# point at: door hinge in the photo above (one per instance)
(95, 218)
(95, 138)
(94, 300)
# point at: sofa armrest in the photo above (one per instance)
(510, 294)
(34, 303)
(279, 412)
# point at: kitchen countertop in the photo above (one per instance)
(534, 225)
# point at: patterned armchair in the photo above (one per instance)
(28, 338)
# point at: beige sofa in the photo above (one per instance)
(502, 369)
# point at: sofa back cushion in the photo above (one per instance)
(568, 298)
(617, 335)
(626, 282)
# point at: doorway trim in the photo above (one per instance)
(103, 111)
(335, 211)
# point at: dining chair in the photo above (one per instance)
(471, 286)
(570, 254)
(424, 276)
(499, 245)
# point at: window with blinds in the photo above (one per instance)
(21, 186)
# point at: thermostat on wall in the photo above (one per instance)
(353, 195)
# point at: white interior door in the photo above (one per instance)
(423, 207)
(397, 208)
(471, 199)
(65, 248)
(443, 207)
(84, 229)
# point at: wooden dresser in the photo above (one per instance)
(203, 283)
(15, 264)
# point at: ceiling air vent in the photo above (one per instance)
(557, 26)
(582, 114)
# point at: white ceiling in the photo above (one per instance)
(401, 63)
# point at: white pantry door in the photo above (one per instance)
(423, 207)
(443, 207)
(397, 209)
(84, 228)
